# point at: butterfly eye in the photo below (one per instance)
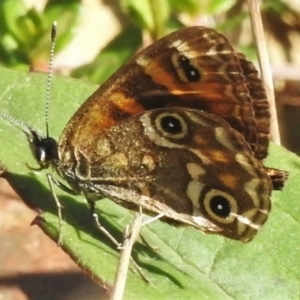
(220, 206)
(171, 125)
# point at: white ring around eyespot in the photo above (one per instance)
(178, 136)
(206, 202)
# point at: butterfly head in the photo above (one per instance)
(44, 149)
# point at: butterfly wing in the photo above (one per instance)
(187, 164)
(194, 67)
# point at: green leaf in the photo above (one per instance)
(67, 15)
(25, 34)
(139, 11)
(191, 7)
(150, 15)
(219, 6)
(187, 264)
(10, 11)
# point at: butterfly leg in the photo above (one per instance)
(153, 247)
(98, 224)
(51, 181)
(159, 216)
(130, 236)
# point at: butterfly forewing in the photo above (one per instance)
(194, 67)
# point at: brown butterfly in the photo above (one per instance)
(180, 130)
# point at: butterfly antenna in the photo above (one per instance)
(16, 122)
(53, 41)
(24, 124)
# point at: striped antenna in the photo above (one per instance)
(23, 124)
(48, 88)
(16, 122)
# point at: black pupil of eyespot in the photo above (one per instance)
(190, 71)
(171, 125)
(220, 206)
